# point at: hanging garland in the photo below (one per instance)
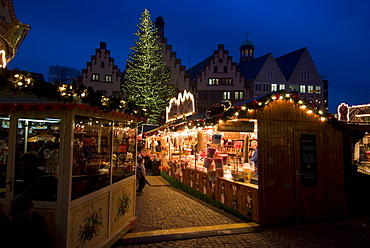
(21, 83)
(255, 104)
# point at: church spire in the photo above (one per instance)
(159, 24)
(246, 50)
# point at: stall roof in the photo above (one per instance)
(55, 106)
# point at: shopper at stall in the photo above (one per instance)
(40, 185)
(254, 158)
(26, 229)
(140, 175)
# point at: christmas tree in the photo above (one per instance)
(146, 75)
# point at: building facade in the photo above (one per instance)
(217, 78)
(101, 73)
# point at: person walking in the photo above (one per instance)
(140, 175)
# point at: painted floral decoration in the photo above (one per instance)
(92, 223)
(123, 205)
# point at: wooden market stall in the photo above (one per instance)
(300, 160)
(90, 152)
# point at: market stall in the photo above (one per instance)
(89, 152)
(296, 176)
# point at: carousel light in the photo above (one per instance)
(300, 102)
(244, 107)
(322, 119)
(19, 83)
(287, 95)
(273, 97)
(309, 111)
(303, 106)
(321, 112)
(281, 97)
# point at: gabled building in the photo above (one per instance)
(215, 79)
(262, 75)
(101, 73)
(218, 78)
(302, 76)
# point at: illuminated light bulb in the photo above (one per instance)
(83, 94)
(300, 102)
(322, 119)
(244, 108)
(220, 121)
(62, 88)
(303, 107)
(260, 103)
(281, 97)
(236, 113)
(16, 75)
(20, 83)
(287, 95)
(291, 100)
(321, 112)
(309, 112)
(250, 110)
(273, 97)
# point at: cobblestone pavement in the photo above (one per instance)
(168, 208)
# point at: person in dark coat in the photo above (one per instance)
(40, 185)
(27, 229)
(140, 175)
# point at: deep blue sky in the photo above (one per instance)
(336, 33)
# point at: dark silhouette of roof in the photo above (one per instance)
(196, 69)
(251, 68)
(288, 62)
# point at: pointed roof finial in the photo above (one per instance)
(246, 34)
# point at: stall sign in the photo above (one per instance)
(237, 126)
(308, 160)
(182, 106)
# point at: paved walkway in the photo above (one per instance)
(168, 217)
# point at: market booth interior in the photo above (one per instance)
(276, 159)
(77, 163)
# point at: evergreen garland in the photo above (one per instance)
(21, 83)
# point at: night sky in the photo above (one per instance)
(336, 33)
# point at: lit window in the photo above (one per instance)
(95, 77)
(273, 87)
(239, 95)
(302, 88)
(226, 95)
(310, 89)
(108, 78)
(213, 81)
(318, 89)
(281, 86)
